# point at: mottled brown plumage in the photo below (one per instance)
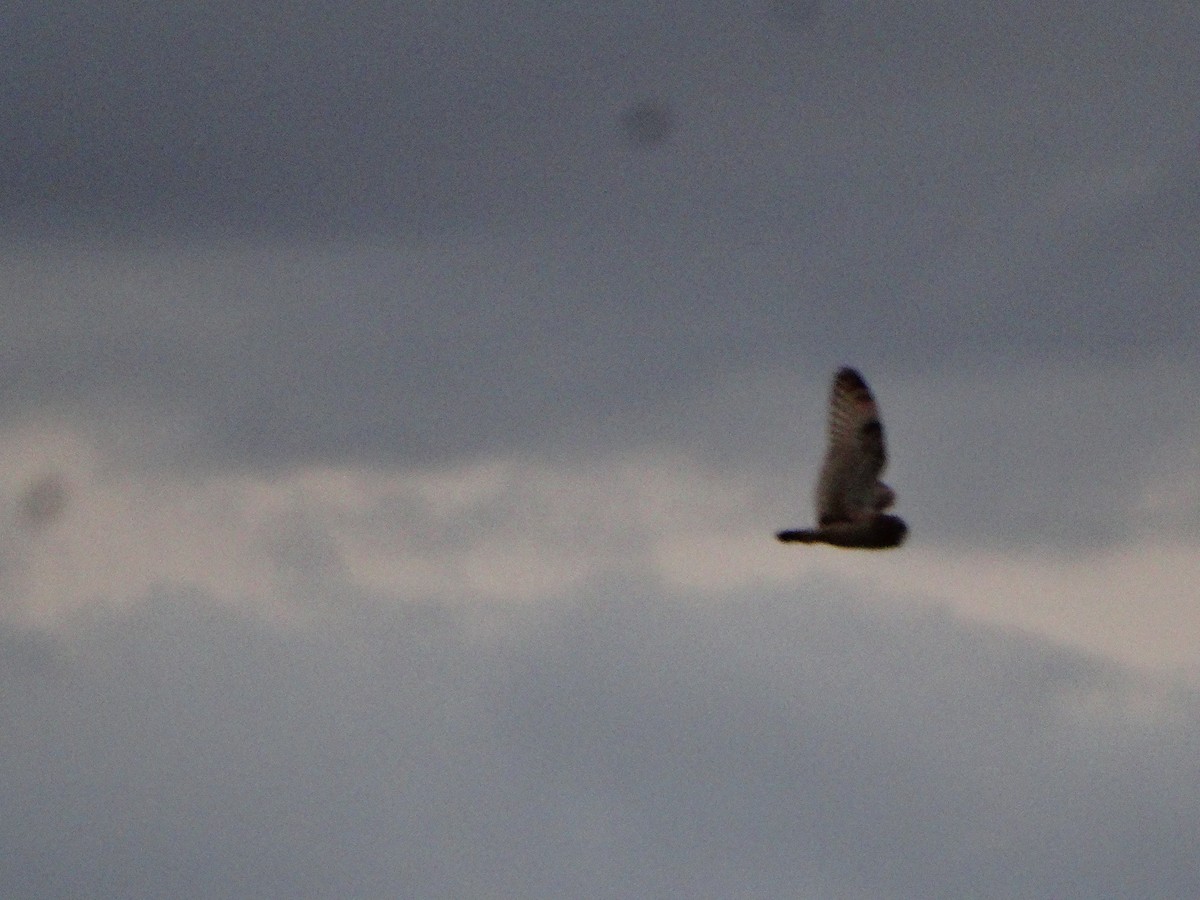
(850, 496)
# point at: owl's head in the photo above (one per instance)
(885, 531)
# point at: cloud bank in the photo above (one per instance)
(620, 745)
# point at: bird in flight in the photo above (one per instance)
(850, 496)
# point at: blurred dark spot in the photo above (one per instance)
(647, 123)
(43, 502)
(796, 13)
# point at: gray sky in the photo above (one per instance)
(399, 403)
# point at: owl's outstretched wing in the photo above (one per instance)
(849, 485)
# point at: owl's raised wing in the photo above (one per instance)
(849, 485)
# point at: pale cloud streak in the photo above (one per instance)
(506, 531)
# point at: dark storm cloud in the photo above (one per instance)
(619, 748)
(905, 187)
(315, 117)
(202, 115)
(382, 115)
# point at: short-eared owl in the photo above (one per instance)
(850, 496)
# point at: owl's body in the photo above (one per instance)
(850, 496)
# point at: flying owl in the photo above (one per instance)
(850, 496)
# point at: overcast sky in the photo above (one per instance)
(400, 400)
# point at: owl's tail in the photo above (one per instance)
(802, 536)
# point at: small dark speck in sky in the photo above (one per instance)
(43, 502)
(647, 122)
